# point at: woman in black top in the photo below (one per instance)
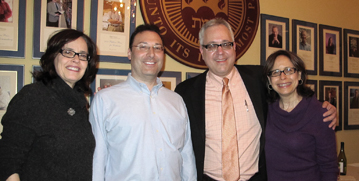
(46, 132)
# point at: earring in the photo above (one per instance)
(300, 82)
(270, 87)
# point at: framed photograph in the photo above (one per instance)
(191, 74)
(35, 68)
(330, 46)
(331, 91)
(11, 81)
(351, 105)
(112, 23)
(51, 16)
(12, 28)
(274, 35)
(109, 77)
(351, 53)
(313, 85)
(304, 43)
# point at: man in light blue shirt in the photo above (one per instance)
(141, 128)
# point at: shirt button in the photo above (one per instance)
(160, 149)
(161, 169)
(154, 112)
(157, 131)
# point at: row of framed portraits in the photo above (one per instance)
(111, 25)
(275, 35)
(12, 80)
(332, 92)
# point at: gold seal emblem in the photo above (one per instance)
(181, 20)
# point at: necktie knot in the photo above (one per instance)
(225, 81)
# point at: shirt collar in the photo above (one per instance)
(215, 79)
(142, 87)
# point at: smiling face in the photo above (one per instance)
(219, 62)
(284, 85)
(72, 70)
(146, 64)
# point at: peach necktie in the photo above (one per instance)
(230, 160)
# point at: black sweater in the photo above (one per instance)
(41, 140)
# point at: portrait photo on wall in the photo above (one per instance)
(59, 13)
(330, 40)
(274, 35)
(11, 82)
(354, 98)
(304, 43)
(353, 46)
(111, 24)
(6, 8)
(351, 101)
(53, 16)
(331, 91)
(351, 53)
(330, 95)
(330, 45)
(113, 15)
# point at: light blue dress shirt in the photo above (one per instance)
(141, 134)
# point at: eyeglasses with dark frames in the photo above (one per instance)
(213, 47)
(286, 71)
(72, 54)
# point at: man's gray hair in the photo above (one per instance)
(214, 22)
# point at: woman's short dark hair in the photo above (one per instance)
(54, 46)
(142, 28)
(302, 89)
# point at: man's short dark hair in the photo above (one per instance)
(142, 28)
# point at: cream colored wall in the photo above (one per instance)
(329, 12)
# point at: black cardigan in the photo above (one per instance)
(41, 140)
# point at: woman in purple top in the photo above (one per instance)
(299, 146)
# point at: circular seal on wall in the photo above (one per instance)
(180, 21)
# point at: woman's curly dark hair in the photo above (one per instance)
(54, 46)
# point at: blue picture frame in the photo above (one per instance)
(350, 112)
(349, 58)
(283, 24)
(121, 72)
(20, 73)
(191, 75)
(333, 56)
(20, 53)
(37, 24)
(93, 32)
(313, 52)
(323, 95)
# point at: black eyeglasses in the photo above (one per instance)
(213, 47)
(286, 71)
(72, 54)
